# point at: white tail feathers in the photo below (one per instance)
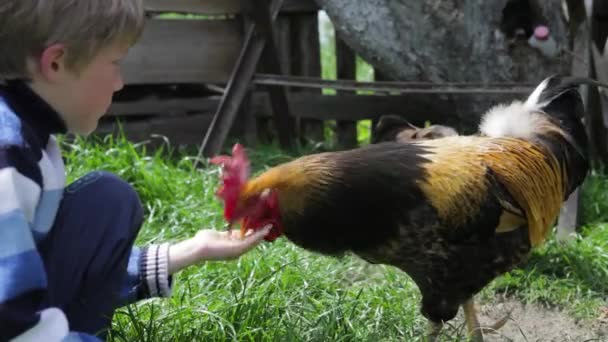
(532, 101)
(518, 119)
(514, 120)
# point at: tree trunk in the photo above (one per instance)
(454, 41)
(450, 40)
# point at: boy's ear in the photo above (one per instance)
(52, 62)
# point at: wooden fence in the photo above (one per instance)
(182, 73)
(178, 73)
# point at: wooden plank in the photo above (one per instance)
(599, 51)
(599, 24)
(249, 122)
(346, 130)
(416, 107)
(185, 129)
(164, 107)
(583, 47)
(284, 43)
(569, 218)
(322, 107)
(600, 63)
(381, 85)
(597, 109)
(182, 130)
(237, 88)
(218, 7)
(183, 51)
(306, 61)
(380, 77)
(265, 21)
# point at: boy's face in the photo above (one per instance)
(87, 95)
(81, 98)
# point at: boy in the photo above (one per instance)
(67, 259)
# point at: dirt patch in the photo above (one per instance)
(535, 323)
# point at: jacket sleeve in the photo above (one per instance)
(147, 273)
(23, 279)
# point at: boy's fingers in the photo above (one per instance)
(258, 235)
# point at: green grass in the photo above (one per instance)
(280, 292)
(572, 276)
(274, 293)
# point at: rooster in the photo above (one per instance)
(396, 128)
(453, 213)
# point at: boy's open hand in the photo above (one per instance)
(211, 244)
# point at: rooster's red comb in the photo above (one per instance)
(235, 172)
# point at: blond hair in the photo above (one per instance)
(85, 27)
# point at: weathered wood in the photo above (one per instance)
(249, 122)
(346, 68)
(415, 107)
(183, 130)
(331, 107)
(232, 98)
(264, 24)
(164, 107)
(381, 85)
(306, 61)
(267, 130)
(218, 7)
(237, 87)
(569, 218)
(600, 64)
(599, 29)
(380, 77)
(596, 119)
(599, 23)
(284, 44)
(183, 51)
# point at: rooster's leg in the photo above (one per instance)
(433, 331)
(470, 318)
(498, 324)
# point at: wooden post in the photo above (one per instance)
(306, 61)
(569, 218)
(598, 122)
(378, 76)
(267, 129)
(259, 35)
(265, 20)
(250, 127)
(599, 23)
(346, 65)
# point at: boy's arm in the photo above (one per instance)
(150, 268)
(23, 279)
